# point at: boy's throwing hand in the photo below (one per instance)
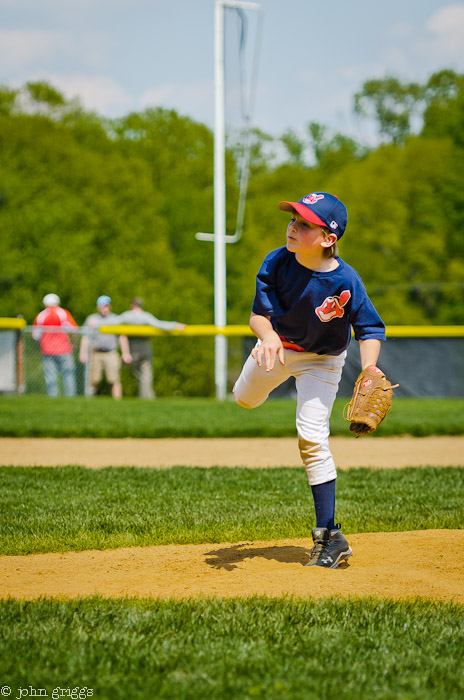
(269, 348)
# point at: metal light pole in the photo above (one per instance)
(219, 237)
(220, 288)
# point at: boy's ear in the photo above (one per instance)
(329, 240)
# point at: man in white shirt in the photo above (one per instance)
(140, 346)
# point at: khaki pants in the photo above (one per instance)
(107, 363)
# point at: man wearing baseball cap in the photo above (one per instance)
(100, 349)
(55, 345)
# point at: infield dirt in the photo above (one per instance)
(399, 565)
(389, 453)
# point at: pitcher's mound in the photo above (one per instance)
(398, 565)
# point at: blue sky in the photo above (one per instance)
(119, 56)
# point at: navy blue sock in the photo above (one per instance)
(324, 504)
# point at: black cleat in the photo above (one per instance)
(321, 540)
(330, 548)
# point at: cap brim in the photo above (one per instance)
(303, 211)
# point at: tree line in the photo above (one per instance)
(92, 206)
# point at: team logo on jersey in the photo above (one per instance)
(312, 198)
(333, 307)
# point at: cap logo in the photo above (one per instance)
(312, 198)
(333, 225)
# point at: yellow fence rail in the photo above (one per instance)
(193, 330)
(14, 324)
(425, 331)
(240, 331)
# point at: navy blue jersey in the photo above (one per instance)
(315, 310)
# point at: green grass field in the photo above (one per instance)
(73, 508)
(255, 648)
(286, 649)
(40, 416)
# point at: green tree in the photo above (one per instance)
(444, 107)
(332, 151)
(82, 216)
(400, 200)
(294, 145)
(8, 99)
(44, 93)
(392, 103)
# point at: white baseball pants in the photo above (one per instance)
(317, 379)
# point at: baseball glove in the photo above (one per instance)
(370, 403)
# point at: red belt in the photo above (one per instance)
(291, 346)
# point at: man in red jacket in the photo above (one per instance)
(55, 345)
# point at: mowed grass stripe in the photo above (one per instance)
(73, 508)
(279, 648)
(40, 416)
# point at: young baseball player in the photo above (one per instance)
(306, 303)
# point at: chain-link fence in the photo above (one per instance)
(57, 368)
(417, 364)
(30, 366)
(53, 373)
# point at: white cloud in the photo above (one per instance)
(414, 52)
(443, 43)
(23, 50)
(61, 6)
(447, 26)
(99, 93)
(194, 99)
(21, 47)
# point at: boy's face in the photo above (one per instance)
(303, 237)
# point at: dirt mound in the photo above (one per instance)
(395, 565)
